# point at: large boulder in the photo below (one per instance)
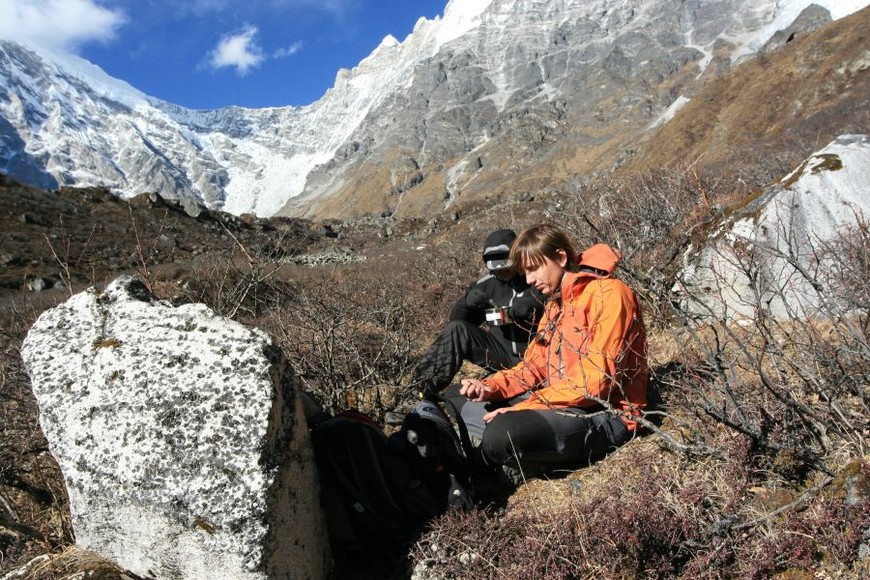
(770, 254)
(180, 436)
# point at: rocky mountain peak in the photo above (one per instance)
(459, 110)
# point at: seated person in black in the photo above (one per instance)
(491, 346)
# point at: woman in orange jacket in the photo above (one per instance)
(583, 379)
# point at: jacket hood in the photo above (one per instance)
(600, 257)
(596, 262)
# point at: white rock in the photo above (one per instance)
(180, 436)
(750, 264)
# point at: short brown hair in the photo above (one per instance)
(536, 243)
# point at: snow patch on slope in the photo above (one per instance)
(786, 13)
(670, 112)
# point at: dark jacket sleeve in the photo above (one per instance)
(462, 310)
(526, 310)
(540, 302)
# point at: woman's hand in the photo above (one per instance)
(475, 390)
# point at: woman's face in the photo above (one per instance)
(547, 277)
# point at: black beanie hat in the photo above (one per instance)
(497, 248)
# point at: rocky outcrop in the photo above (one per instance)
(180, 436)
(766, 255)
(810, 19)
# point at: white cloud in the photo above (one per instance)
(289, 50)
(64, 24)
(238, 50)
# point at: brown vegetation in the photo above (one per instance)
(781, 106)
(753, 462)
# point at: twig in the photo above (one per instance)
(801, 499)
(7, 505)
(63, 263)
(144, 263)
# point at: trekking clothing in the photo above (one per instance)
(591, 346)
(547, 437)
(515, 294)
(493, 348)
(585, 373)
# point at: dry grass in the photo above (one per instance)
(72, 563)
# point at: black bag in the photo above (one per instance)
(379, 492)
(430, 446)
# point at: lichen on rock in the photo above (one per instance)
(180, 437)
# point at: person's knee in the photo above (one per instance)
(459, 328)
(496, 446)
(514, 434)
(452, 392)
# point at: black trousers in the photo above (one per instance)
(460, 341)
(539, 440)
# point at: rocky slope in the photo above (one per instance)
(794, 99)
(494, 99)
(71, 238)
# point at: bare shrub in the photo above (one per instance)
(653, 515)
(825, 530)
(647, 525)
(780, 362)
(763, 405)
(67, 254)
(758, 416)
(792, 375)
(239, 283)
(354, 335)
(342, 342)
(848, 267)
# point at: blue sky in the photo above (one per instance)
(205, 54)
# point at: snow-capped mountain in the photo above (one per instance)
(457, 111)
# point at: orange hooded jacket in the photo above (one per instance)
(590, 346)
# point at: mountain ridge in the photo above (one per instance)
(457, 111)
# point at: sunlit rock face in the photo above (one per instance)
(180, 437)
(775, 255)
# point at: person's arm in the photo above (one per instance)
(472, 305)
(509, 383)
(527, 310)
(525, 375)
(591, 373)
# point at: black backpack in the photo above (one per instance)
(429, 445)
(378, 492)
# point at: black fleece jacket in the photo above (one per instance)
(525, 305)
